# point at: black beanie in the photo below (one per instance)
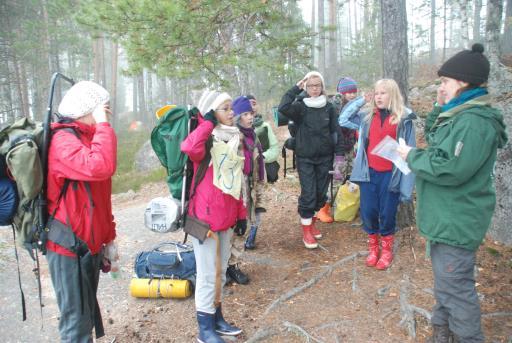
(470, 66)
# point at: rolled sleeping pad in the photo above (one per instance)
(160, 288)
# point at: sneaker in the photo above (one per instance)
(237, 275)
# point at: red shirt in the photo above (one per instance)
(379, 130)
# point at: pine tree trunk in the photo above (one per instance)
(135, 96)
(492, 32)
(321, 23)
(313, 29)
(476, 21)
(332, 61)
(162, 91)
(444, 31)
(432, 31)
(25, 103)
(464, 19)
(99, 61)
(506, 47)
(142, 98)
(394, 40)
(113, 85)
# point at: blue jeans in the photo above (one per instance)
(378, 204)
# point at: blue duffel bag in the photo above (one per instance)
(8, 201)
(168, 260)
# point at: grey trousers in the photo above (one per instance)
(75, 326)
(457, 303)
(205, 265)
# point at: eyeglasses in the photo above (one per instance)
(224, 110)
(314, 86)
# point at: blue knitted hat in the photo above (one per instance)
(241, 105)
(346, 85)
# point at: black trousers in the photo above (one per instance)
(314, 182)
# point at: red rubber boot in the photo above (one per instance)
(373, 250)
(386, 257)
(314, 231)
(308, 238)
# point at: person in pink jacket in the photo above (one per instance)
(217, 202)
(81, 162)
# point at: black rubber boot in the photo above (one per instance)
(440, 334)
(237, 275)
(207, 334)
(222, 327)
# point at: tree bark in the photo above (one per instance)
(322, 45)
(331, 70)
(444, 31)
(135, 96)
(432, 31)
(142, 98)
(507, 34)
(492, 32)
(464, 18)
(394, 38)
(113, 84)
(313, 29)
(476, 21)
(99, 60)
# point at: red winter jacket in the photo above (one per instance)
(89, 157)
(209, 204)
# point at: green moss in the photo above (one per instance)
(492, 251)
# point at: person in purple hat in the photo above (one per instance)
(252, 186)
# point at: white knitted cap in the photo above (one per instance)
(211, 100)
(316, 74)
(82, 99)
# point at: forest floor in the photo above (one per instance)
(295, 294)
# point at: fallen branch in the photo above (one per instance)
(333, 324)
(354, 276)
(295, 328)
(263, 334)
(406, 313)
(497, 314)
(421, 311)
(312, 281)
(411, 242)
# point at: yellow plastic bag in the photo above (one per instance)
(347, 202)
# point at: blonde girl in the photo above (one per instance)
(382, 185)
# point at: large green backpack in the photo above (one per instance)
(171, 129)
(24, 145)
(20, 144)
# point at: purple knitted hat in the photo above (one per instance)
(241, 105)
(346, 85)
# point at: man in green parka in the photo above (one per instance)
(455, 189)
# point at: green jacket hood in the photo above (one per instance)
(489, 112)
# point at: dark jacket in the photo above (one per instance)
(316, 127)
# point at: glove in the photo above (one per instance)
(210, 116)
(338, 167)
(241, 227)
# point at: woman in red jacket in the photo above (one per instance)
(218, 202)
(81, 162)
